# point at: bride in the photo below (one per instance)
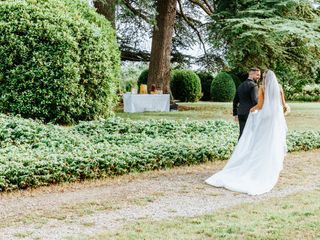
(257, 160)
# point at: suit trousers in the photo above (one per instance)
(242, 122)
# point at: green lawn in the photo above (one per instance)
(303, 116)
(293, 217)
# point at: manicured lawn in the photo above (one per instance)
(303, 116)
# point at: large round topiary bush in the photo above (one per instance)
(222, 88)
(186, 86)
(59, 61)
(206, 79)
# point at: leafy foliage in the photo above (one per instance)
(222, 88)
(206, 79)
(317, 81)
(34, 154)
(309, 93)
(186, 86)
(282, 35)
(59, 61)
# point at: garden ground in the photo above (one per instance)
(175, 203)
(171, 204)
(303, 116)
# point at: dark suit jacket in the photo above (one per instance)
(246, 97)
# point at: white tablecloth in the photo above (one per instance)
(146, 102)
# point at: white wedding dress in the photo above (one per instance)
(257, 160)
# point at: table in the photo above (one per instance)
(146, 102)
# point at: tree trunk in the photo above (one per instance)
(107, 8)
(159, 67)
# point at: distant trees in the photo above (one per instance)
(280, 34)
(235, 35)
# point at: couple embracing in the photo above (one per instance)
(257, 160)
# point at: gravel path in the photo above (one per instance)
(92, 207)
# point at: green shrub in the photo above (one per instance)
(186, 86)
(143, 78)
(307, 140)
(206, 79)
(304, 98)
(59, 61)
(235, 79)
(126, 86)
(317, 80)
(308, 93)
(222, 88)
(34, 154)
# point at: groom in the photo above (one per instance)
(246, 97)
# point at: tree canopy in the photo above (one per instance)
(277, 34)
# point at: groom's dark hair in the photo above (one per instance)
(255, 69)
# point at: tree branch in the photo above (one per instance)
(211, 8)
(179, 14)
(134, 55)
(136, 12)
(192, 26)
(204, 6)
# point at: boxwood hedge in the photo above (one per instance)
(59, 61)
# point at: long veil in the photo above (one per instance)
(257, 160)
(272, 99)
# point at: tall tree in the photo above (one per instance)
(159, 67)
(135, 23)
(136, 19)
(107, 8)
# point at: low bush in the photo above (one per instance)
(309, 93)
(223, 88)
(186, 86)
(34, 154)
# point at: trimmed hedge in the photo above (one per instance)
(34, 154)
(222, 88)
(206, 79)
(186, 86)
(59, 61)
